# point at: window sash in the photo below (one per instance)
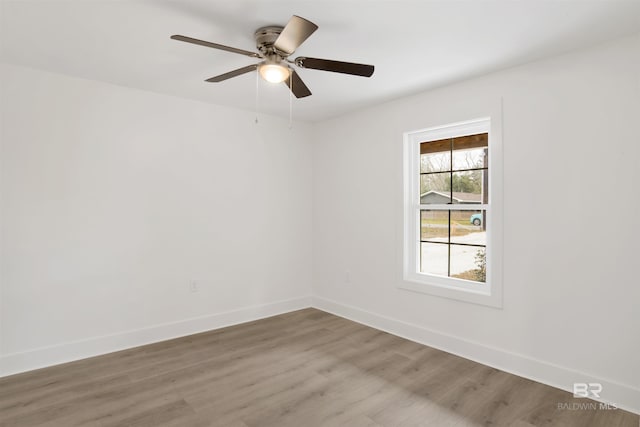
(482, 287)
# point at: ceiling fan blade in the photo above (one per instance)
(233, 73)
(336, 66)
(214, 45)
(297, 86)
(294, 34)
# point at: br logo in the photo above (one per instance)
(587, 390)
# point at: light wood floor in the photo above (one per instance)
(302, 369)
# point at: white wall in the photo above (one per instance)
(571, 205)
(114, 199)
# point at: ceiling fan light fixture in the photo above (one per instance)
(274, 72)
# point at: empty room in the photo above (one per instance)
(259, 213)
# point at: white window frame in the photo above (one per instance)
(490, 292)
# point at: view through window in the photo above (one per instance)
(453, 207)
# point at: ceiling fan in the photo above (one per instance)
(275, 44)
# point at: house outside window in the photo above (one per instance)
(449, 222)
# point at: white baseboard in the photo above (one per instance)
(67, 352)
(624, 396)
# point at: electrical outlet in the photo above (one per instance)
(193, 286)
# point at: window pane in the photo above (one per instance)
(468, 262)
(434, 258)
(434, 188)
(434, 226)
(468, 227)
(469, 151)
(467, 187)
(469, 159)
(435, 162)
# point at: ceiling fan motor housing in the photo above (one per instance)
(266, 37)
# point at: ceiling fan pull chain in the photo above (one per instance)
(257, 94)
(291, 101)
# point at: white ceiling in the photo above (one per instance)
(415, 45)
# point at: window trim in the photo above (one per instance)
(490, 292)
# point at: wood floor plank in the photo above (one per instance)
(305, 368)
(56, 393)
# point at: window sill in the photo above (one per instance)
(459, 290)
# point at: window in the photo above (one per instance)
(449, 212)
